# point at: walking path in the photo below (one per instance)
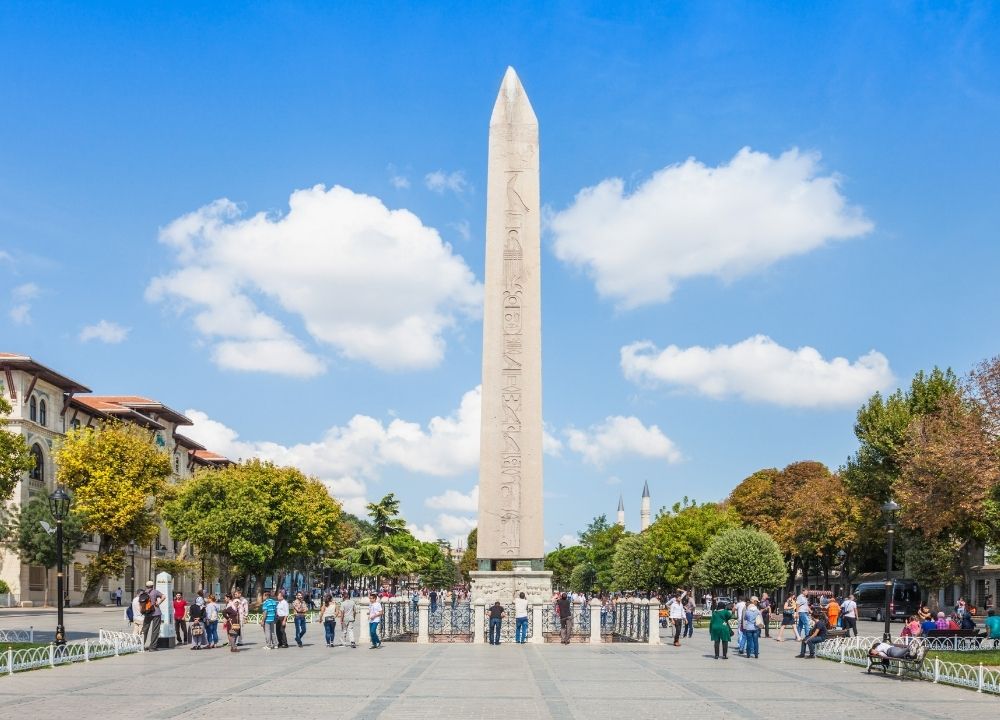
(466, 681)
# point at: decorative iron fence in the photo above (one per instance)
(631, 621)
(18, 635)
(108, 644)
(451, 623)
(398, 622)
(508, 624)
(855, 652)
(580, 614)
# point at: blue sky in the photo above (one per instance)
(863, 217)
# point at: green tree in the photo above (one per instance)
(583, 577)
(469, 560)
(15, 456)
(634, 565)
(34, 544)
(561, 562)
(385, 553)
(599, 540)
(115, 474)
(678, 537)
(435, 567)
(741, 558)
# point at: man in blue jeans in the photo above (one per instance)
(814, 638)
(496, 620)
(374, 617)
(520, 619)
(803, 611)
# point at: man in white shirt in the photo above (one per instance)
(803, 611)
(740, 606)
(520, 619)
(279, 625)
(374, 616)
(676, 609)
(849, 616)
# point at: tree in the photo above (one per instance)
(583, 577)
(384, 552)
(258, 515)
(634, 565)
(599, 540)
(115, 473)
(469, 560)
(561, 562)
(15, 456)
(35, 545)
(435, 568)
(680, 536)
(742, 558)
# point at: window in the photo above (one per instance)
(36, 577)
(33, 409)
(74, 424)
(42, 407)
(77, 577)
(37, 474)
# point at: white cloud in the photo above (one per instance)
(619, 436)
(690, 220)
(25, 292)
(374, 284)
(551, 445)
(20, 314)
(759, 369)
(454, 524)
(106, 332)
(463, 228)
(425, 533)
(614, 480)
(455, 500)
(397, 180)
(569, 540)
(439, 181)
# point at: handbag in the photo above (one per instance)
(197, 630)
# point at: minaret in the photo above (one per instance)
(621, 511)
(644, 512)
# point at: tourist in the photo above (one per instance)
(328, 612)
(927, 625)
(849, 616)
(232, 625)
(675, 609)
(962, 612)
(688, 617)
(765, 612)
(347, 609)
(453, 599)
(924, 614)
(751, 624)
(803, 610)
(415, 600)
(787, 618)
(434, 601)
(269, 620)
(565, 618)
(708, 602)
(815, 637)
(521, 619)
(832, 613)
(196, 614)
(281, 620)
(738, 612)
(374, 618)
(211, 622)
(911, 628)
(300, 608)
(945, 623)
(244, 607)
(136, 615)
(149, 607)
(496, 621)
(199, 598)
(719, 629)
(118, 596)
(180, 611)
(992, 623)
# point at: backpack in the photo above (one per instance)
(146, 606)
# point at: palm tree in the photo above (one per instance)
(377, 554)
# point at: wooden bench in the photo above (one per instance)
(914, 663)
(952, 633)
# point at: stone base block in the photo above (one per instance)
(503, 585)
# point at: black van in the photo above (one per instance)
(870, 597)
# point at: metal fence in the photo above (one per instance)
(9, 636)
(854, 651)
(451, 623)
(631, 621)
(580, 613)
(508, 623)
(398, 622)
(108, 644)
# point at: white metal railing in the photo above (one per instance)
(957, 644)
(17, 635)
(108, 644)
(854, 651)
(10, 600)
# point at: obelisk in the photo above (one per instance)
(510, 459)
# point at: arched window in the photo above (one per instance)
(41, 413)
(37, 473)
(33, 409)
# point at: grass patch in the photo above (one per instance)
(973, 657)
(21, 645)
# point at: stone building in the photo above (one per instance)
(45, 405)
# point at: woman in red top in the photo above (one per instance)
(180, 609)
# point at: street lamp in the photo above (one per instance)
(59, 505)
(889, 510)
(132, 550)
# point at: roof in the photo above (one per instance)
(121, 412)
(645, 490)
(621, 502)
(207, 457)
(185, 441)
(146, 406)
(12, 361)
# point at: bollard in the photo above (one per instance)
(423, 620)
(537, 629)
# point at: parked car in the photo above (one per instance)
(870, 597)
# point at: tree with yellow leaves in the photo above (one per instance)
(15, 457)
(114, 474)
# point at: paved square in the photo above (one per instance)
(405, 680)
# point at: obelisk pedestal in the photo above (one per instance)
(510, 460)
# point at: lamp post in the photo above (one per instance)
(59, 505)
(889, 510)
(132, 550)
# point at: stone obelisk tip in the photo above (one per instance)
(512, 106)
